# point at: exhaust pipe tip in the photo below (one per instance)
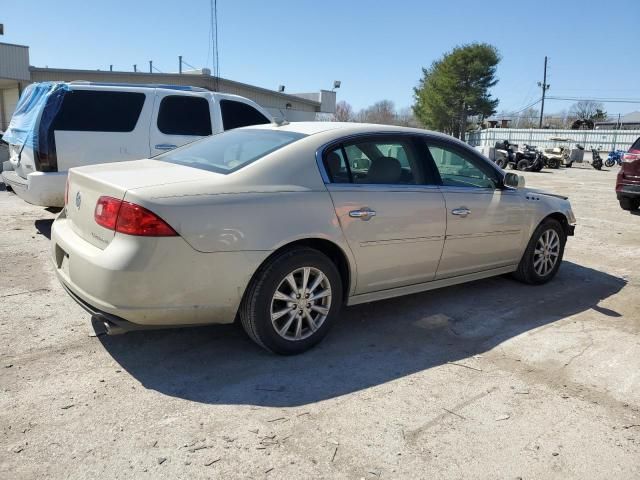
(113, 329)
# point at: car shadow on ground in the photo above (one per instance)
(44, 227)
(370, 345)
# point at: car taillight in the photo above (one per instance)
(129, 218)
(66, 192)
(631, 157)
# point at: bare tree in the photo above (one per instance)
(587, 110)
(344, 112)
(528, 118)
(382, 112)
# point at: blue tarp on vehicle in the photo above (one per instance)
(40, 102)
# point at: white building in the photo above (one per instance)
(16, 74)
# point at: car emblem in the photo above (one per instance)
(78, 200)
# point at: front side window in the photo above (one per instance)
(99, 111)
(458, 171)
(184, 115)
(385, 161)
(229, 151)
(239, 114)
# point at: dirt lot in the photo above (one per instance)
(492, 379)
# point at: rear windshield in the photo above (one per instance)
(636, 145)
(229, 151)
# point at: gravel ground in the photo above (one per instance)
(492, 379)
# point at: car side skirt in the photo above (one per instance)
(423, 287)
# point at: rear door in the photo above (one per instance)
(102, 125)
(179, 117)
(485, 224)
(389, 208)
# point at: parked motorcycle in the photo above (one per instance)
(615, 156)
(596, 159)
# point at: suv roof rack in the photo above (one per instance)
(186, 88)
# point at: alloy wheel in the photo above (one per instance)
(301, 303)
(546, 253)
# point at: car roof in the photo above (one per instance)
(343, 128)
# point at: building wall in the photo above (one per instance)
(271, 100)
(9, 99)
(14, 62)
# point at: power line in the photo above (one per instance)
(604, 100)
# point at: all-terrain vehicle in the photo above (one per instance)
(559, 154)
(528, 159)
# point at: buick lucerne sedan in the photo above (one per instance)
(280, 226)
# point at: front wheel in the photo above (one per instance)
(542, 258)
(553, 163)
(523, 165)
(502, 163)
(609, 163)
(292, 301)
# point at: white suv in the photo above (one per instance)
(57, 126)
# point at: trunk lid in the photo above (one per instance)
(87, 184)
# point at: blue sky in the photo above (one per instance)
(375, 48)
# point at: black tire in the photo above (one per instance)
(523, 165)
(502, 163)
(609, 163)
(553, 163)
(255, 310)
(597, 164)
(629, 203)
(526, 272)
(569, 165)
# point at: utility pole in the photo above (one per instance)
(135, 68)
(545, 86)
(150, 66)
(179, 63)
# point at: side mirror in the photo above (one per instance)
(514, 181)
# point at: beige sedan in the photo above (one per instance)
(280, 226)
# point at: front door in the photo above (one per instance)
(390, 210)
(484, 222)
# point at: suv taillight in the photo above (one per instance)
(630, 157)
(129, 218)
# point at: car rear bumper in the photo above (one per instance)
(39, 188)
(628, 191)
(142, 282)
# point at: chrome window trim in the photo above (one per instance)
(354, 136)
(425, 136)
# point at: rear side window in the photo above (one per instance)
(636, 145)
(97, 111)
(238, 114)
(182, 115)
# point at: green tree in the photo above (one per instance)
(456, 87)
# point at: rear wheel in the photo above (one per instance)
(502, 163)
(629, 203)
(542, 258)
(292, 301)
(523, 165)
(553, 163)
(609, 163)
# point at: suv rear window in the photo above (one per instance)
(183, 115)
(229, 151)
(98, 111)
(636, 145)
(238, 114)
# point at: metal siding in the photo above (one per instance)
(606, 139)
(14, 62)
(259, 95)
(10, 100)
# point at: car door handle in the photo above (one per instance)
(364, 213)
(165, 146)
(461, 211)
